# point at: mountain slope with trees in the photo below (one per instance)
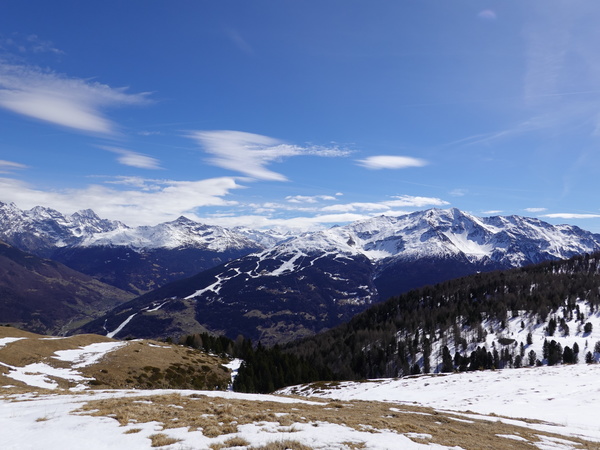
(547, 313)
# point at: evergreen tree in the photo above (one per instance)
(532, 358)
(555, 353)
(568, 355)
(447, 364)
(426, 355)
(589, 358)
(551, 327)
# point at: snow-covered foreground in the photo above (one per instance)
(563, 398)
(51, 422)
(566, 396)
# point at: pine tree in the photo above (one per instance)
(589, 358)
(568, 355)
(532, 358)
(551, 327)
(447, 365)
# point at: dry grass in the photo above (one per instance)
(161, 440)
(283, 445)
(154, 365)
(139, 364)
(233, 442)
(217, 417)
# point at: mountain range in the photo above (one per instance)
(318, 280)
(133, 259)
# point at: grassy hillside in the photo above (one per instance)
(91, 361)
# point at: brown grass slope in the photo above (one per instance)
(137, 364)
(45, 296)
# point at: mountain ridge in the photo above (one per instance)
(136, 259)
(317, 280)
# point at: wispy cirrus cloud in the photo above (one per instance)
(31, 43)
(239, 41)
(390, 162)
(134, 159)
(61, 100)
(250, 153)
(458, 192)
(10, 166)
(487, 14)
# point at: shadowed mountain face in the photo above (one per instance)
(317, 280)
(45, 296)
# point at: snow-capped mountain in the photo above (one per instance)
(40, 230)
(317, 280)
(134, 259)
(180, 233)
(85, 229)
(512, 240)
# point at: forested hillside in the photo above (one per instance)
(511, 318)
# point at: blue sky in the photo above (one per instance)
(301, 114)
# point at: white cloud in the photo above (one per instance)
(60, 100)
(133, 159)
(151, 202)
(415, 202)
(294, 224)
(9, 166)
(402, 201)
(308, 199)
(250, 153)
(571, 216)
(535, 210)
(492, 212)
(390, 162)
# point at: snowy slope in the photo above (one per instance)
(564, 396)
